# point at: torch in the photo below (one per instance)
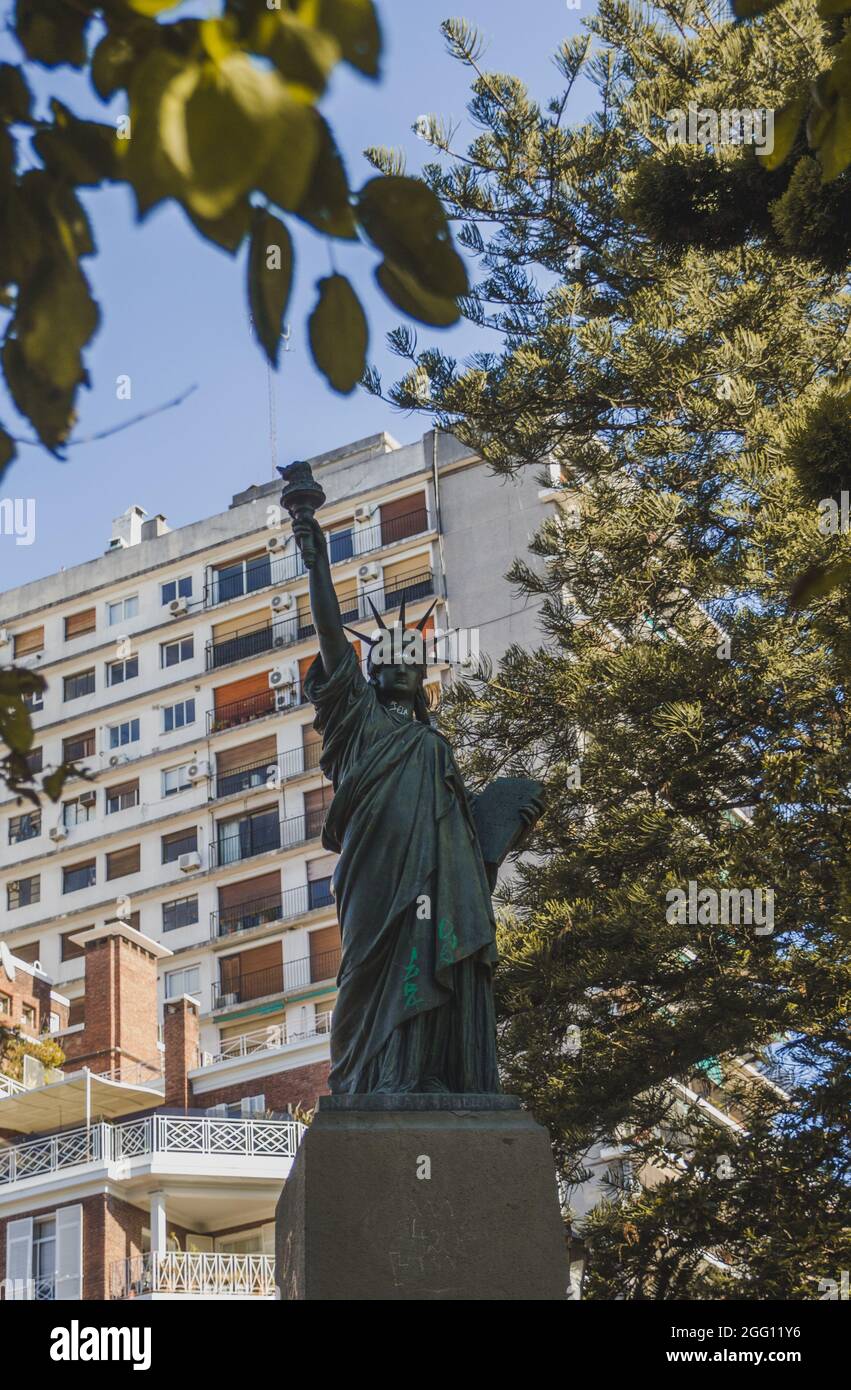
(302, 496)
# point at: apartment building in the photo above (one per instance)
(175, 665)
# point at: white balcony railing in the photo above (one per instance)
(265, 1039)
(10, 1087)
(208, 1276)
(156, 1134)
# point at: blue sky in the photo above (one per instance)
(174, 308)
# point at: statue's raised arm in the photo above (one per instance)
(302, 496)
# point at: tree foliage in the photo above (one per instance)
(690, 719)
(220, 117)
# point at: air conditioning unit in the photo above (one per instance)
(118, 758)
(282, 603)
(224, 1000)
(5, 639)
(283, 699)
(370, 571)
(282, 677)
(275, 544)
(197, 772)
(188, 863)
(365, 512)
(178, 606)
(58, 832)
(88, 798)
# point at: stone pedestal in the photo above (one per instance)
(421, 1197)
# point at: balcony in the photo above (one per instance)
(266, 1040)
(276, 979)
(276, 907)
(103, 1144)
(385, 598)
(246, 842)
(270, 571)
(177, 1273)
(268, 772)
(275, 635)
(267, 702)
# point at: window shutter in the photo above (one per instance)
(247, 754)
(69, 1253)
(31, 641)
(78, 623)
(402, 517)
(321, 867)
(123, 861)
(19, 1258)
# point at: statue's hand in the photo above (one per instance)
(532, 812)
(310, 539)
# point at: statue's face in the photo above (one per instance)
(397, 682)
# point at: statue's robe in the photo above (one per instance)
(415, 1005)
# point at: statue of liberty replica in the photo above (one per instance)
(416, 1179)
(415, 1005)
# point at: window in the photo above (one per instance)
(182, 842)
(77, 876)
(71, 950)
(122, 797)
(34, 700)
(78, 746)
(242, 577)
(236, 1110)
(178, 716)
(122, 734)
(28, 1017)
(117, 672)
(176, 779)
(172, 653)
(76, 624)
(180, 912)
(30, 641)
(249, 835)
(35, 760)
(122, 610)
(23, 892)
(121, 862)
(24, 827)
(81, 683)
(340, 544)
(79, 810)
(5, 1006)
(186, 981)
(54, 1023)
(176, 588)
(29, 953)
(44, 1259)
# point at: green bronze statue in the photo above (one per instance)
(418, 857)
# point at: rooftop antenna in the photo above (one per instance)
(286, 334)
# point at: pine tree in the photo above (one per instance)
(688, 710)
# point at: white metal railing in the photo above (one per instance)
(10, 1087)
(264, 1039)
(161, 1134)
(179, 1272)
